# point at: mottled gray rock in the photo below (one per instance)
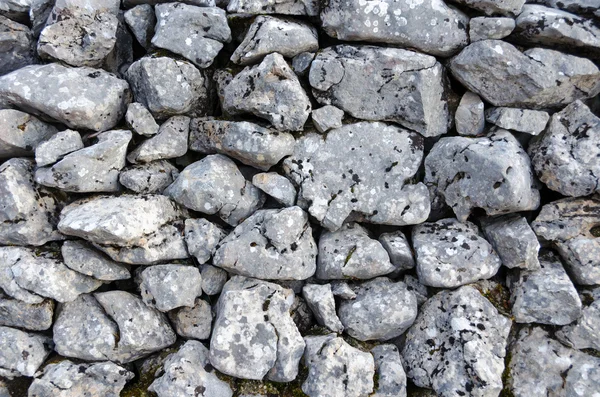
(585, 333)
(341, 289)
(21, 133)
(513, 240)
(537, 78)
(199, 3)
(273, 244)
(57, 146)
(141, 20)
(485, 28)
(91, 169)
(494, 7)
(521, 120)
(193, 322)
(276, 186)
(319, 299)
(149, 178)
(492, 173)
(397, 247)
(16, 44)
(270, 91)
(457, 344)
(335, 181)
(285, 7)
(22, 353)
(583, 7)
(390, 372)
(269, 34)
(17, 313)
(375, 83)
(214, 185)
(170, 142)
(301, 63)
(254, 335)
(81, 257)
(336, 369)
(9, 256)
(167, 287)
(469, 116)
(196, 33)
(188, 373)
(213, 279)
(17, 10)
(326, 118)
(202, 237)
(67, 378)
(81, 98)
(247, 142)
(420, 290)
(140, 120)
(399, 23)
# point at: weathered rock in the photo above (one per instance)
(537, 78)
(319, 299)
(390, 372)
(81, 257)
(149, 178)
(413, 284)
(141, 19)
(582, 7)
(213, 279)
(193, 322)
(214, 185)
(22, 353)
(10, 256)
(335, 181)
(301, 63)
(91, 169)
(469, 115)
(140, 120)
(17, 45)
(336, 369)
(492, 173)
(276, 186)
(17, 313)
(457, 344)
(521, 120)
(202, 238)
(273, 244)
(585, 333)
(493, 7)
(83, 97)
(375, 83)
(341, 289)
(398, 249)
(17, 10)
(21, 133)
(167, 287)
(170, 142)
(485, 28)
(513, 240)
(285, 7)
(327, 117)
(57, 146)
(247, 142)
(270, 91)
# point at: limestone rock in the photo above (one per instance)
(193, 322)
(486, 28)
(83, 258)
(22, 352)
(10, 256)
(285, 7)
(388, 365)
(29, 316)
(469, 116)
(202, 238)
(493, 7)
(167, 287)
(170, 142)
(21, 133)
(140, 120)
(327, 117)
(141, 20)
(17, 44)
(319, 299)
(514, 241)
(585, 332)
(57, 146)
(276, 186)
(521, 120)
(397, 247)
(153, 177)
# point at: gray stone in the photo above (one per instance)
(469, 117)
(341, 289)
(188, 373)
(247, 142)
(140, 120)
(57, 146)
(10, 256)
(91, 169)
(213, 279)
(22, 353)
(302, 315)
(167, 287)
(375, 83)
(398, 249)
(193, 322)
(170, 142)
(149, 178)
(141, 19)
(382, 310)
(585, 332)
(327, 117)
(199, 3)
(83, 258)
(545, 295)
(319, 299)
(537, 78)
(67, 378)
(521, 120)
(21, 133)
(202, 237)
(513, 240)
(301, 63)
(83, 98)
(335, 181)
(196, 33)
(492, 173)
(485, 28)
(336, 369)
(17, 313)
(494, 7)
(390, 372)
(273, 244)
(214, 185)
(457, 345)
(585, 7)
(254, 335)
(420, 290)
(269, 34)
(17, 10)
(287, 107)
(17, 46)
(401, 23)
(276, 186)
(285, 7)
(351, 253)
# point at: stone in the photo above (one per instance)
(83, 258)
(513, 240)
(214, 185)
(140, 120)
(21, 133)
(57, 146)
(285, 7)
(92, 169)
(341, 289)
(196, 33)
(494, 7)
(319, 299)
(375, 83)
(545, 295)
(10, 256)
(168, 87)
(301, 63)
(487, 28)
(199, 3)
(67, 378)
(585, 332)
(29, 316)
(287, 107)
(398, 23)
(469, 116)
(188, 373)
(420, 290)
(254, 335)
(390, 372)
(350, 253)
(247, 142)
(213, 279)
(276, 186)
(170, 142)
(398, 249)
(153, 177)
(582, 7)
(141, 20)
(457, 345)
(17, 43)
(80, 98)
(270, 34)
(272, 244)
(17, 10)
(326, 118)
(335, 181)
(492, 173)
(167, 287)
(202, 238)
(537, 78)
(22, 352)
(193, 322)
(521, 120)
(336, 369)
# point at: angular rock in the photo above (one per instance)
(319, 299)
(153, 177)
(327, 117)
(273, 244)
(22, 352)
(213, 279)
(21, 133)
(457, 345)
(10, 256)
(521, 120)
(285, 7)
(17, 45)
(17, 10)
(170, 142)
(83, 258)
(57, 146)
(335, 181)
(585, 333)
(269, 91)
(390, 372)
(141, 20)
(513, 240)
(582, 7)
(276, 186)
(202, 238)
(20, 314)
(140, 120)
(301, 63)
(193, 322)
(398, 249)
(167, 287)
(420, 290)
(342, 290)
(375, 83)
(469, 116)
(485, 28)
(494, 7)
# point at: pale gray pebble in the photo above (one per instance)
(284, 7)
(414, 285)
(486, 28)
(341, 289)
(213, 279)
(277, 186)
(202, 238)
(141, 20)
(153, 177)
(193, 322)
(336, 369)
(585, 332)
(22, 133)
(22, 352)
(167, 287)
(321, 302)
(140, 120)
(92, 169)
(521, 120)
(10, 256)
(390, 371)
(288, 106)
(494, 7)
(397, 247)
(171, 141)
(301, 62)
(272, 244)
(18, 45)
(83, 258)
(57, 146)
(469, 117)
(29, 316)
(326, 118)
(376, 83)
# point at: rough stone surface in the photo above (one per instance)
(83, 258)
(193, 322)
(494, 7)
(485, 28)
(171, 141)
(202, 238)
(521, 120)
(29, 316)
(327, 117)
(513, 240)
(397, 247)
(153, 177)
(213, 279)
(167, 287)
(469, 116)
(301, 63)
(585, 332)
(140, 120)
(22, 352)
(285, 7)
(17, 44)
(21, 133)
(319, 299)
(10, 256)
(57, 146)
(276, 186)
(141, 20)
(390, 372)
